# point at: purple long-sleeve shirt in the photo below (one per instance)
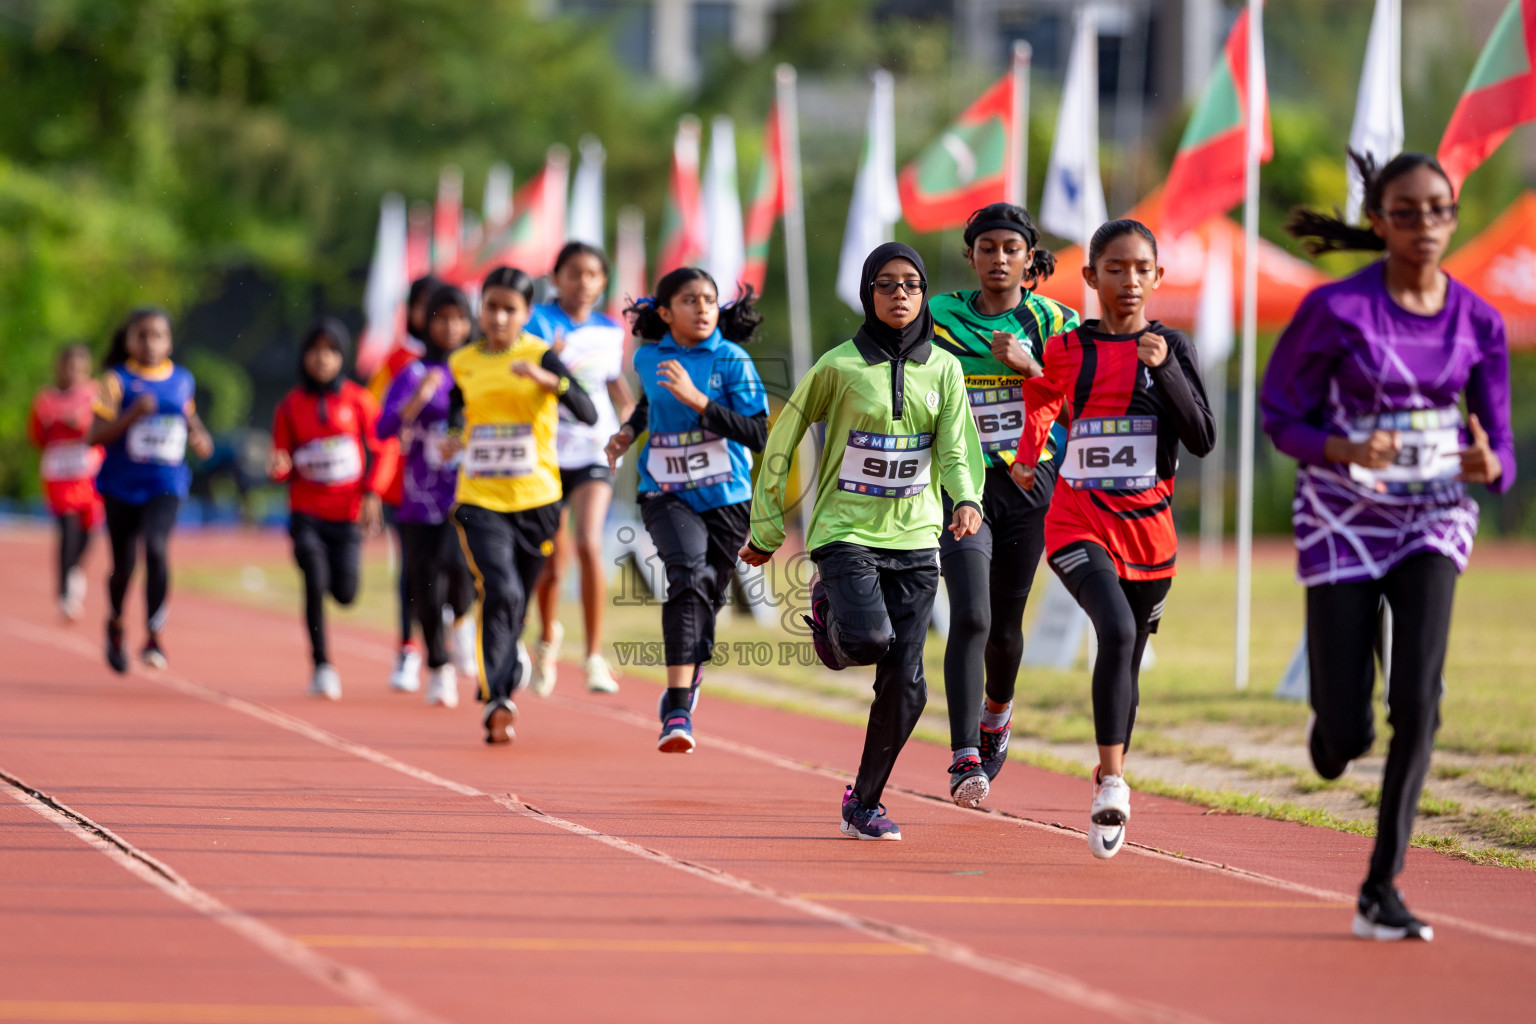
(428, 483)
(1350, 355)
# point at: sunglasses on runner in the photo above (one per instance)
(910, 287)
(1409, 217)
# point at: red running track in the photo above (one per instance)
(209, 844)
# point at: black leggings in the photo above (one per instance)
(126, 524)
(1124, 614)
(437, 576)
(699, 551)
(402, 578)
(329, 555)
(73, 540)
(878, 607)
(506, 552)
(1342, 626)
(986, 641)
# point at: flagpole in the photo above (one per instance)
(798, 284)
(1087, 35)
(1245, 437)
(1018, 176)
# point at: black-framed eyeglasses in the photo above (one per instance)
(889, 287)
(1409, 217)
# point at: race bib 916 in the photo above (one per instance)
(885, 465)
(1111, 454)
(330, 461)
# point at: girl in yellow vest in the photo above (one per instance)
(507, 388)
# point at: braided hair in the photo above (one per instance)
(1010, 217)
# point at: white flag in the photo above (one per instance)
(1214, 335)
(1378, 127)
(876, 205)
(586, 216)
(1073, 203)
(725, 247)
(497, 205)
(384, 295)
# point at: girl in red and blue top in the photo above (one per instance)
(145, 418)
(324, 441)
(60, 421)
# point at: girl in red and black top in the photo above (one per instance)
(60, 420)
(324, 441)
(1132, 393)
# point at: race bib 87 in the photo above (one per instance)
(497, 450)
(1429, 459)
(1111, 454)
(885, 465)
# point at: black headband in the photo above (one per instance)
(976, 230)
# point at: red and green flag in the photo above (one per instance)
(968, 166)
(682, 223)
(531, 237)
(767, 205)
(1209, 170)
(1500, 94)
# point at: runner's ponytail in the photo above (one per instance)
(1321, 233)
(738, 321)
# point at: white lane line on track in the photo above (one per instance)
(347, 982)
(1041, 979)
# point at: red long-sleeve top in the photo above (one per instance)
(58, 425)
(337, 457)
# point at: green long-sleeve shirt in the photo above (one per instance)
(883, 445)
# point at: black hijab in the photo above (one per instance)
(327, 327)
(893, 342)
(445, 295)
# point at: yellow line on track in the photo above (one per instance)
(182, 1013)
(575, 945)
(1069, 901)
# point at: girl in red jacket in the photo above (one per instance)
(61, 417)
(324, 441)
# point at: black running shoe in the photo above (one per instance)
(1383, 917)
(117, 652)
(817, 620)
(994, 748)
(967, 782)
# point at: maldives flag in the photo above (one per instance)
(767, 205)
(966, 167)
(1500, 94)
(1207, 177)
(683, 233)
(447, 218)
(531, 238)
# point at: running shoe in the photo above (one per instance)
(73, 598)
(967, 782)
(600, 675)
(153, 654)
(1327, 767)
(545, 664)
(676, 732)
(524, 668)
(406, 678)
(466, 641)
(994, 748)
(693, 693)
(860, 822)
(1107, 819)
(443, 687)
(326, 682)
(117, 651)
(499, 718)
(1382, 916)
(821, 642)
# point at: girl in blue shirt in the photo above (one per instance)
(706, 410)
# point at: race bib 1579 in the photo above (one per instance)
(499, 450)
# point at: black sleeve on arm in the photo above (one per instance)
(572, 395)
(1178, 378)
(750, 431)
(455, 409)
(640, 420)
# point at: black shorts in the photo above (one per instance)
(570, 479)
(1012, 533)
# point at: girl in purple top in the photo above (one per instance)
(416, 410)
(1362, 390)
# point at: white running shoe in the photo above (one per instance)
(406, 678)
(466, 642)
(600, 676)
(326, 683)
(546, 665)
(1109, 815)
(525, 673)
(74, 594)
(443, 687)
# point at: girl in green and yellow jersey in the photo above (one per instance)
(998, 333)
(507, 388)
